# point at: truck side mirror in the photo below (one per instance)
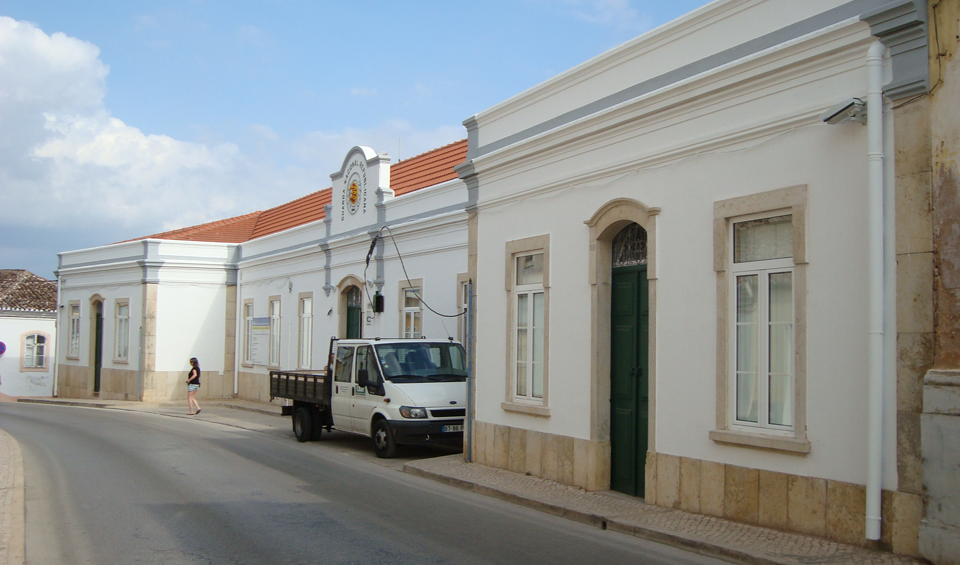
(363, 378)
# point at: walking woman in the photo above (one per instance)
(193, 383)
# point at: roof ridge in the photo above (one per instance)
(196, 227)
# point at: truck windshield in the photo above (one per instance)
(420, 362)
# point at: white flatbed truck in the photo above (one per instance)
(395, 391)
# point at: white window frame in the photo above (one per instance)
(121, 330)
(413, 313)
(248, 315)
(762, 270)
(305, 350)
(29, 345)
(73, 334)
(729, 431)
(514, 402)
(275, 330)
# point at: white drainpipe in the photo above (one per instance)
(876, 288)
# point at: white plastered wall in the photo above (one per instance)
(13, 381)
(531, 197)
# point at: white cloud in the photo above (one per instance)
(71, 172)
(264, 131)
(619, 14)
(363, 92)
(326, 149)
(252, 35)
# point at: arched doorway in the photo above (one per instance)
(629, 360)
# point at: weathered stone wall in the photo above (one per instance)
(568, 460)
(831, 509)
(73, 381)
(940, 528)
(253, 386)
(118, 384)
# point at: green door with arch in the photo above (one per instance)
(629, 371)
(354, 302)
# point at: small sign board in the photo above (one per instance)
(260, 341)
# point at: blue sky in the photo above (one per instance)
(122, 119)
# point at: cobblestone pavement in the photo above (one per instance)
(703, 534)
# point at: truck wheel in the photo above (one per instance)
(302, 424)
(384, 443)
(317, 420)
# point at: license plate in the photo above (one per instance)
(458, 428)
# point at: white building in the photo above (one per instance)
(28, 330)
(300, 286)
(294, 275)
(673, 273)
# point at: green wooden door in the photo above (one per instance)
(354, 302)
(98, 350)
(353, 322)
(629, 400)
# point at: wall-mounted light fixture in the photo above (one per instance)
(853, 110)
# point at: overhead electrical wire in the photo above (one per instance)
(373, 246)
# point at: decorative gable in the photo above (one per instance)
(361, 183)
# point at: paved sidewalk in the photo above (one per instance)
(11, 502)
(706, 535)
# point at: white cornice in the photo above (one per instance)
(607, 175)
(834, 47)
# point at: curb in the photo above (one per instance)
(12, 503)
(604, 523)
(87, 404)
(246, 408)
(64, 403)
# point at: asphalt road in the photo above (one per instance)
(118, 487)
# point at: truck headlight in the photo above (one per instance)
(411, 412)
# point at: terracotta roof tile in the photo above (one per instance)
(23, 290)
(231, 230)
(292, 214)
(427, 169)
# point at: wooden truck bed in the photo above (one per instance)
(304, 387)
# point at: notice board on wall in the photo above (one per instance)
(260, 341)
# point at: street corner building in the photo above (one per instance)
(28, 330)
(266, 290)
(704, 271)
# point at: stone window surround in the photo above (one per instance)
(403, 285)
(70, 306)
(604, 225)
(462, 279)
(790, 200)
(245, 342)
(117, 303)
(47, 344)
(515, 248)
(313, 309)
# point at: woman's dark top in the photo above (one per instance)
(197, 380)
